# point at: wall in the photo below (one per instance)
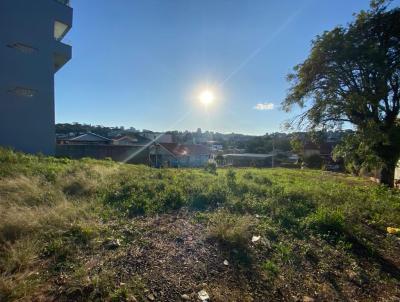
(115, 152)
(248, 162)
(310, 152)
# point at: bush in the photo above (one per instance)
(270, 268)
(263, 180)
(28, 191)
(248, 175)
(233, 232)
(326, 221)
(313, 161)
(209, 197)
(211, 168)
(79, 182)
(231, 179)
(172, 198)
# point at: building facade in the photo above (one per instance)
(178, 155)
(31, 52)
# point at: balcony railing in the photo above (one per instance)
(65, 2)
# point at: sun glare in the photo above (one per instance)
(207, 97)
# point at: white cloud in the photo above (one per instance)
(264, 106)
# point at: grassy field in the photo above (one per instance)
(101, 231)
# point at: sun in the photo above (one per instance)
(206, 97)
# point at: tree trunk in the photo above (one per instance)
(387, 174)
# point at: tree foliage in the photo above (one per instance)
(356, 154)
(297, 145)
(352, 75)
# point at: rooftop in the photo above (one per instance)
(181, 150)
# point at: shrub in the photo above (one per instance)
(211, 196)
(263, 180)
(231, 178)
(102, 285)
(270, 268)
(248, 175)
(18, 257)
(79, 184)
(8, 156)
(137, 206)
(313, 161)
(248, 203)
(172, 198)
(284, 252)
(30, 191)
(232, 232)
(290, 209)
(17, 222)
(211, 168)
(58, 249)
(326, 221)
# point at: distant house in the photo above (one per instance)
(124, 149)
(86, 139)
(324, 150)
(310, 149)
(131, 139)
(215, 146)
(125, 140)
(178, 155)
(248, 160)
(158, 137)
(293, 157)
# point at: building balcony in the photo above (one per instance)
(62, 15)
(65, 2)
(61, 55)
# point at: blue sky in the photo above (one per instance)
(143, 63)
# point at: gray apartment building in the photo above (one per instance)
(31, 52)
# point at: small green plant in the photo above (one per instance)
(209, 196)
(231, 178)
(284, 253)
(263, 180)
(248, 175)
(326, 221)
(270, 268)
(172, 198)
(211, 168)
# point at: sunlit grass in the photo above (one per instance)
(56, 214)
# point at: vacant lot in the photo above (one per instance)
(101, 231)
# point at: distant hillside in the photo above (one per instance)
(75, 129)
(92, 230)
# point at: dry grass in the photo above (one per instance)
(234, 234)
(31, 214)
(321, 234)
(28, 191)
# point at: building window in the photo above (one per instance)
(60, 30)
(22, 47)
(23, 91)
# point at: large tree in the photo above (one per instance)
(352, 75)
